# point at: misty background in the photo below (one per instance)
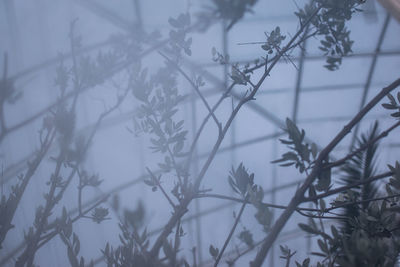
(35, 36)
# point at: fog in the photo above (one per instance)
(98, 44)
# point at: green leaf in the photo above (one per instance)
(246, 237)
(389, 106)
(306, 262)
(391, 98)
(314, 150)
(264, 216)
(213, 251)
(312, 193)
(322, 205)
(168, 250)
(395, 114)
(324, 180)
(240, 179)
(72, 258)
(308, 229)
(323, 246)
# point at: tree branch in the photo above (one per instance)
(344, 188)
(361, 148)
(231, 233)
(189, 196)
(299, 195)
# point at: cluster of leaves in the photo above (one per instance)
(87, 70)
(368, 235)
(232, 11)
(246, 237)
(60, 123)
(287, 254)
(240, 180)
(243, 184)
(134, 243)
(300, 156)
(373, 240)
(358, 168)
(213, 251)
(236, 75)
(129, 46)
(131, 252)
(371, 226)
(330, 24)
(171, 248)
(393, 105)
(89, 180)
(99, 214)
(159, 98)
(73, 248)
(274, 40)
(178, 40)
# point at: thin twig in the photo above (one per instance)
(176, 243)
(248, 202)
(228, 239)
(361, 148)
(203, 124)
(158, 183)
(347, 187)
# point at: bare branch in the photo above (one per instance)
(231, 233)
